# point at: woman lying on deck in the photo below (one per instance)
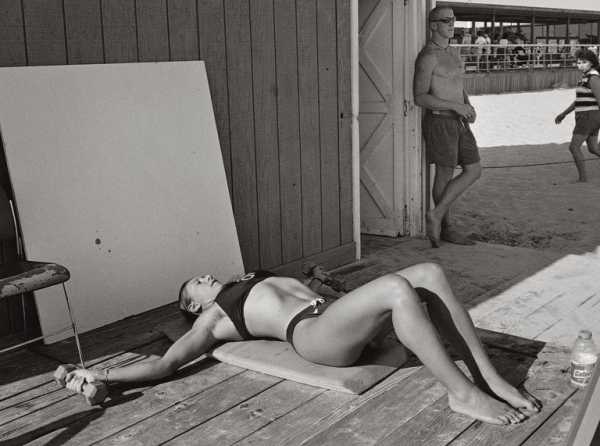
(334, 333)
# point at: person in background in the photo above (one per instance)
(439, 88)
(587, 110)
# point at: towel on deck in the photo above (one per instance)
(279, 359)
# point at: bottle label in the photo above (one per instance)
(581, 373)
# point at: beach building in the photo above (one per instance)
(287, 80)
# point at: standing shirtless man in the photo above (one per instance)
(438, 87)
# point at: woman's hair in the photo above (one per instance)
(183, 305)
(589, 55)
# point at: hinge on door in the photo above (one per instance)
(405, 2)
(405, 222)
(405, 107)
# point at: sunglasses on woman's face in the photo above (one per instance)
(446, 20)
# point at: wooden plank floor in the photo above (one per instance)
(211, 403)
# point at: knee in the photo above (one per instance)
(474, 171)
(429, 274)
(399, 291)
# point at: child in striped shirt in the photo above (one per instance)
(587, 110)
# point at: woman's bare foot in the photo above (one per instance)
(483, 407)
(519, 399)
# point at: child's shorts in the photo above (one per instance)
(587, 123)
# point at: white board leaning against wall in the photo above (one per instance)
(118, 175)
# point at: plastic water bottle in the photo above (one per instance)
(583, 359)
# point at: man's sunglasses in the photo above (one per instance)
(446, 20)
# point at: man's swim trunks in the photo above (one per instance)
(233, 295)
(449, 139)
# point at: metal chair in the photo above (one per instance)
(21, 276)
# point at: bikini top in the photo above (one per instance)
(233, 295)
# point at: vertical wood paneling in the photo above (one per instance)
(286, 54)
(328, 115)
(152, 30)
(120, 34)
(45, 32)
(83, 25)
(265, 131)
(183, 29)
(211, 29)
(12, 36)
(344, 73)
(241, 119)
(279, 73)
(308, 80)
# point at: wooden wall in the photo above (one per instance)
(279, 72)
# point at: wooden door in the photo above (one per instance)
(381, 78)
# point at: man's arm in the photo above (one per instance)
(473, 114)
(422, 85)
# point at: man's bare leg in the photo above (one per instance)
(446, 190)
(455, 325)
(575, 149)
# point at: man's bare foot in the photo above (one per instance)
(519, 399)
(434, 227)
(452, 236)
(483, 407)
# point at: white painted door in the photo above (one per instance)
(391, 169)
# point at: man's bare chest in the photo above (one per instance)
(449, 66)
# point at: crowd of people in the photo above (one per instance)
(485, 51)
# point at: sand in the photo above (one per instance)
(538, 206)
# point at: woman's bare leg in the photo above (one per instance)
(338, 336)
(575, 149)
(455, 325)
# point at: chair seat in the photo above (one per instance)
(24, 276)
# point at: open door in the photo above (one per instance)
(391, 32)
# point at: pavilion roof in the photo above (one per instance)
(481, 12)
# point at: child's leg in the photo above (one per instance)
(455, 324)
(338, 336)
(592, 143)
(575, 149)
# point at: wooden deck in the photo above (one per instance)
(217, 404)
(212, 403)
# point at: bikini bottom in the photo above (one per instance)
(316, 308)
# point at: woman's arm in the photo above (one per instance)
(197, 341)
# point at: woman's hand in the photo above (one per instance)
(559, 118)
(78, 377)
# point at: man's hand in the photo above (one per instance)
(466, 111)
(559, 118)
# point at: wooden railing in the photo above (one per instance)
(484, 58)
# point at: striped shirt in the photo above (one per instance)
(584, 96)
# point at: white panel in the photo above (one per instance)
(118, 175)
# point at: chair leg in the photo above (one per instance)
(24, 313)
(74, 326)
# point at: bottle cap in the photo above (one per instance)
(585, 334)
